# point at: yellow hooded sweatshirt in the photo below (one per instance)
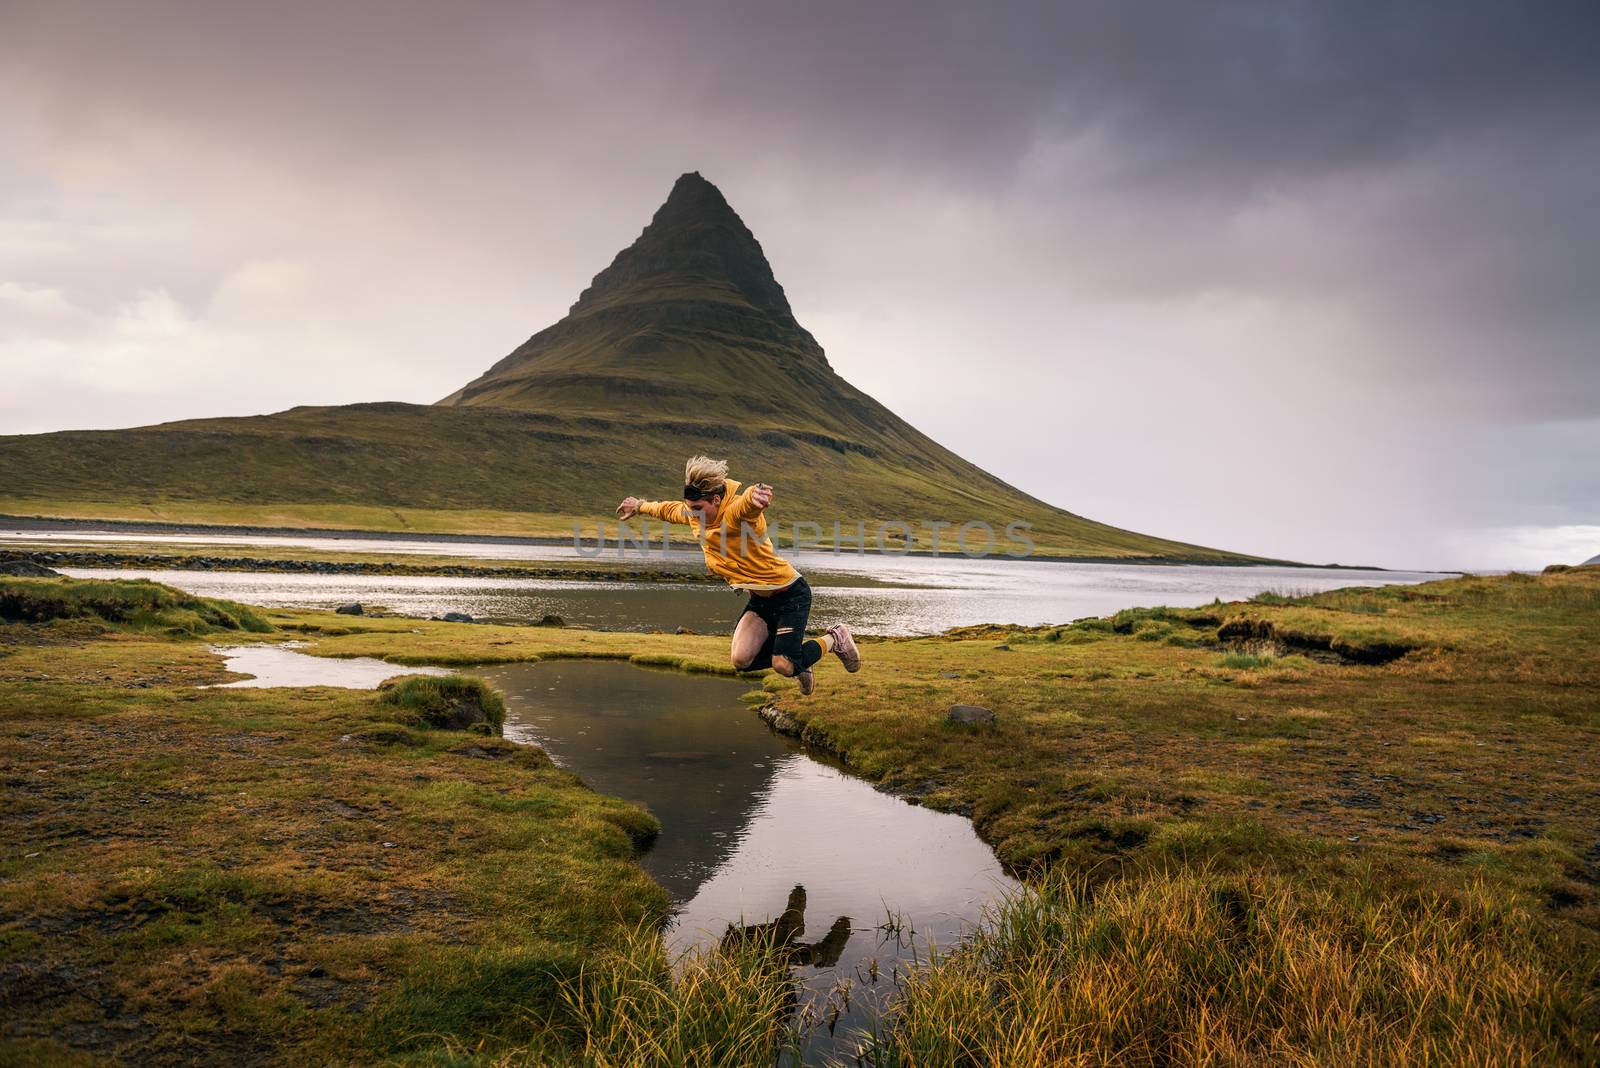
(736, 543)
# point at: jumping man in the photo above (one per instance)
(732, 531)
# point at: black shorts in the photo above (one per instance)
(785, 614)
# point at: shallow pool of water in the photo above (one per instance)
(281, 665)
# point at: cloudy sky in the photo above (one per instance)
(1311, 280)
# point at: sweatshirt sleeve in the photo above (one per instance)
(670, 511)
(740, 509)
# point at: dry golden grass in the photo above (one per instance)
(1254, 970)
(723, 1006)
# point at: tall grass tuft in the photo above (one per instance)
(725, 1006)
(447, 702)
(1197, 969)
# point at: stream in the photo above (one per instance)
(755, 830)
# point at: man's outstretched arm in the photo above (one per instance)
(750, 503)
(670, 511)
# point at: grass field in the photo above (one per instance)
(1356, 828)
(531, 473)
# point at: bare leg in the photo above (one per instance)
(748, 637)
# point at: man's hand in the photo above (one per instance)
(761, 495)
(628, 508)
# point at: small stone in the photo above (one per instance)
(550, 619)
(1003, 648)
(457, 617)
(351, 609)
(1353, 838)
(949, 674)
(388, 845)
(685, 630)
(974, 715)
(30, 856)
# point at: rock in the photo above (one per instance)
(550, 619)
(972, 715)
(781, 722)
(1003, 648)
(685, 630)
(352, 609)
(457, 617)
(949, 674)
(28, 569)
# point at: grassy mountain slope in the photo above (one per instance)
(684, 344)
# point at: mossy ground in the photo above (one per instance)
(193, 875)
(211, 870)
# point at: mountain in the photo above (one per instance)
(686, 343)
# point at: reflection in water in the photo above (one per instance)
(783, 935)
(758, 837)
(683, 746)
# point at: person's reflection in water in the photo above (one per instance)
(783, 934)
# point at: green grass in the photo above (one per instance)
(427, 469)
(446, 702)
(1248, 661)
(139, 604)
(1313, 859)
(204, 875)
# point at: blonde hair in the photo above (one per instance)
(704, 473)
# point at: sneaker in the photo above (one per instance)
(844, 647)
(807, 681)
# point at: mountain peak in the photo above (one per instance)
(695, 199)
(695, 248)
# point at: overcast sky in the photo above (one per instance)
(1310, 280)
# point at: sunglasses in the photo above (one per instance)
(695, 493)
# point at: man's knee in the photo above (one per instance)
(742, 660)
(783, 665)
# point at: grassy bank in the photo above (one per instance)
(197, 875)
(1359, 827)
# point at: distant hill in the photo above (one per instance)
(686, 343)
(1592, 560)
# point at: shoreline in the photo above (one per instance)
(206, 562)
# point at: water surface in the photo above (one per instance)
(280, 665)
(757, 832)
(958, 592)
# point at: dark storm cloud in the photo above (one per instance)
(1224, 96)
